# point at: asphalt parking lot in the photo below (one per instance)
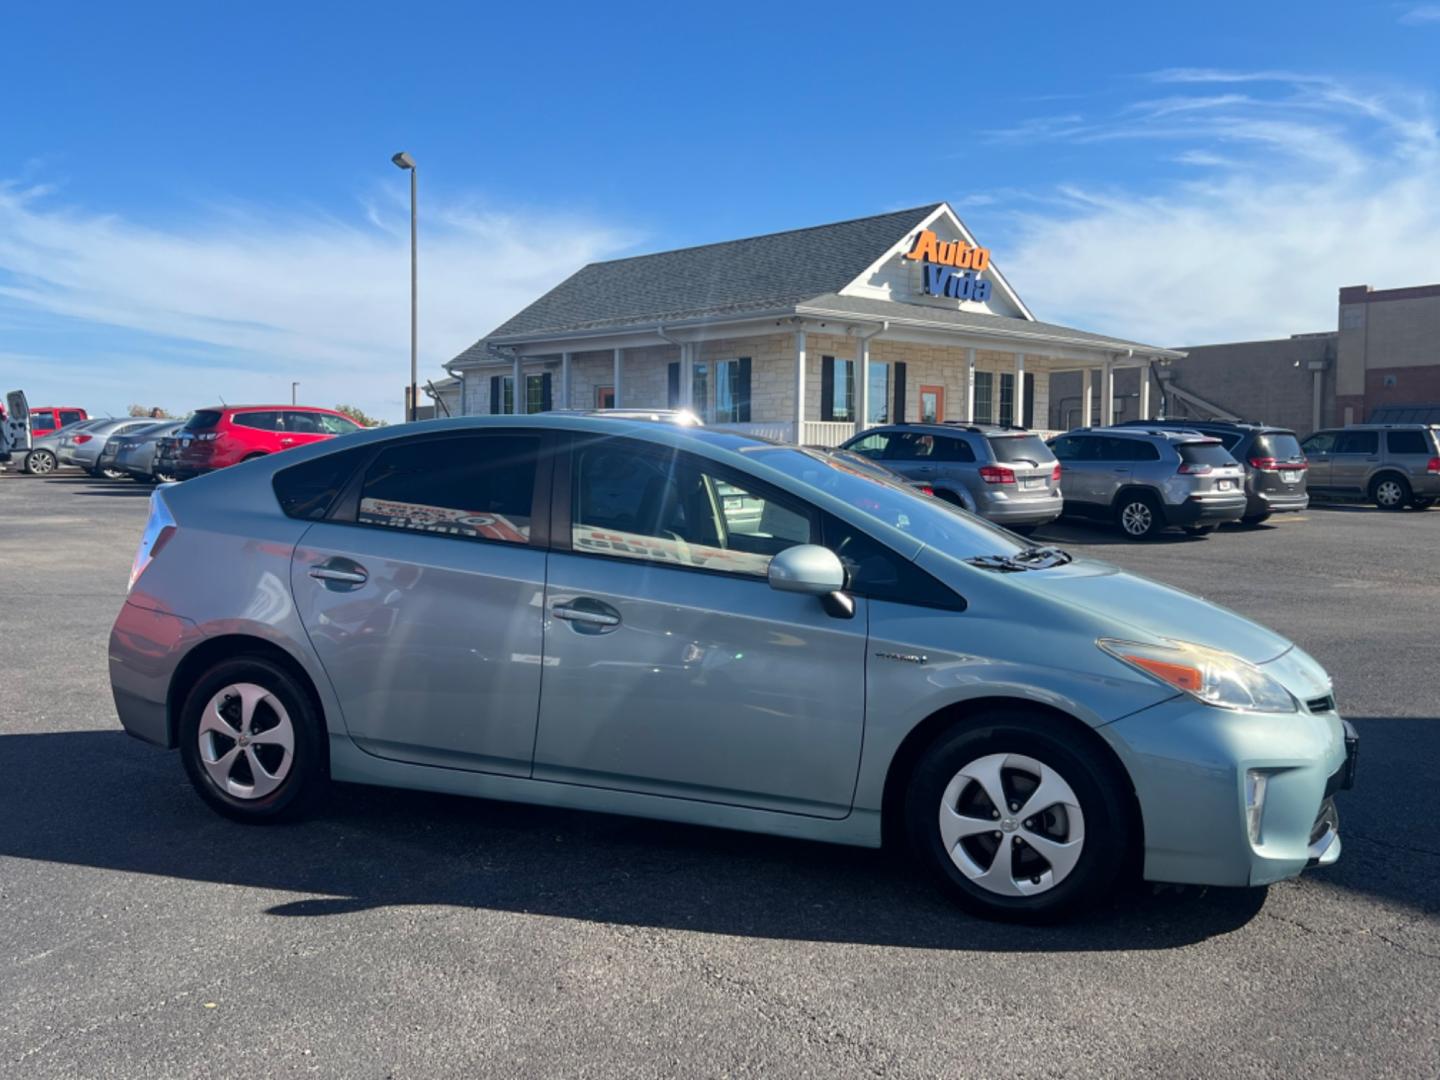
(412, 935)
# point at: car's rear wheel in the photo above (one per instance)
(1390, 491)
(1139, 516)
(1019, 819)
(40, 462)
(252, 741)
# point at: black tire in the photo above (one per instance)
(40, 463)
(1139, 515)
(1200, 530)
(307, 776)
(1254, 519)
(1390, 491)
(1109, 829)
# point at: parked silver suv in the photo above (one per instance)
(1393, 465)
(1148, 479)
(1005, 474)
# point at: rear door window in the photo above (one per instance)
(1357, 442)
(1213, 454)
(302, 423)
(261, 420)
(1116, 449)
(474, 487)
(1406, 442)
(1076, 448)
(951, 449)
(1022, 450)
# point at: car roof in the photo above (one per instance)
(1200, 425)
(1411, 425)
(1176, 435)
(287, 408)
(950, 427)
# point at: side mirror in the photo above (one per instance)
(807, 568)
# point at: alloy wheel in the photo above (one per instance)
(1012, 825)
(1389, 494)
(247, 741)
(41, 462)
(1136, 518)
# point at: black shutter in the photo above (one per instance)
(672, 380)
(546, 402)
(898, 416)
(742, 391)
(1027, 412)
(494, 395)
(827, 388)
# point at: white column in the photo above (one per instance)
(799, 386)
(862, 387)
(565, 380)
(619, 355)
(1107, 393)
(1145, 392)
(1087, 391)
(969, 386)
(517, 394)
(1018, 411)
(687, 375)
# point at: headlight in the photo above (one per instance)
(1212, 676)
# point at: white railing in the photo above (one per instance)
(826, 432)
(779, 430)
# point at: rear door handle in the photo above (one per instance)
(287, 442)
(341, 571)
(583, 615)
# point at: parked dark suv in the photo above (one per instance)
(1005, 474)
(1393, 465)
(1275, 466)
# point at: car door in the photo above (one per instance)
(1317, 449)
(422, 592)
(1078, 456)
(671, 667)
(1354, 459)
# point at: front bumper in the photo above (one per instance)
(1190, 763)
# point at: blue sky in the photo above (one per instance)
(196, 200)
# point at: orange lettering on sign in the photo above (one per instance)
(930, 248)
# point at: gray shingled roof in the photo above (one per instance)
(899, 311)
(760, 273)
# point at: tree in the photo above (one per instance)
(155, 412)
(359, 416)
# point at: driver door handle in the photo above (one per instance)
(342, 571)
(584, 615)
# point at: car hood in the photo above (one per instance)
(1124, 605)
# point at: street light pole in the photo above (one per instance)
(293, 385)
(405, 161)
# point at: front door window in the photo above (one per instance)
(932, 404)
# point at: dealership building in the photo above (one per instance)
(797, 335)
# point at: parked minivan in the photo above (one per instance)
(1393, 465)
(734, 633)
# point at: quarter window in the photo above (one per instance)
(477, 487)
(1406, 442)
(664, 507)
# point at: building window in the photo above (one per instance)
(1007, 399)
(984, 390)
(507, 392)
(1352, 318)
(879, 404)
(534, 393)
(840, 406)
(700, 392)
(732, 405)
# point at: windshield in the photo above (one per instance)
(956, 532)
(1021, 449)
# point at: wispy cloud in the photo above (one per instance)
(241, 301)
(1421, 14)
(1297, 185)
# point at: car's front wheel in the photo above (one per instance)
(1019, 818)
(252, 741)
(40, 462)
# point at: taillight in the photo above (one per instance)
(81, 439)
(1433, 465)
(1055, 474)
(926, 489)
(997, 474)
(1195, 470)
(158, 530)
(1265, 464)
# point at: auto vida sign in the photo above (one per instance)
(952, 268)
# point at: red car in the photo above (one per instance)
(226, 434)
(48, 418)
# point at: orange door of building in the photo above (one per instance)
(932, 404)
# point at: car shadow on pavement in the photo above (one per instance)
(101, 799)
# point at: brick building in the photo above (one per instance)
(795, 335)
(1384, 355)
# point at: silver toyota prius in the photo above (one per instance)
(645, 618)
